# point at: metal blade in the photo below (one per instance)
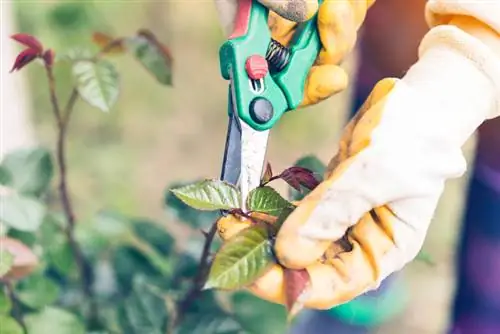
(253, 153)
(244, 153)
(231, 164)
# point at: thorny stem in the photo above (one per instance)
(199, 279)
(62, 118)
(18, 315)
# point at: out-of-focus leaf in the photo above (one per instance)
(183, 212)
(54, 321)
(296, 284)
(22, 260)
(209, 195)
(22, 212)
(128, 261)
(104, 41)
(154, 235)
(56, 246)
(152, 55)
(30, 170)
(145, 309)
(242, 259)
(27, 238)
(267, 200)
(37, 291)
(71, 15)
(9, 325)
(211, 322)
(5, 303)
(315, 165)
(97, 83)
(257, 315)
(74, 54)
(5, 177)
(6, 262)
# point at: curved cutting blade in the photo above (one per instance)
(244, 153)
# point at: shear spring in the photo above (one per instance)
(277, 56)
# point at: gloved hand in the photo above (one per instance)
(370, 216)
(338, 24)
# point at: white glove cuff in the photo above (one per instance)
(472, 51)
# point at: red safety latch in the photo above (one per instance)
(256, 67)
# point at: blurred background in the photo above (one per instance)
(125, 159)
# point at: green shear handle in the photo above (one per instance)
(268, 79)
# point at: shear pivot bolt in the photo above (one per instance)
(256, 67)
(261, 110)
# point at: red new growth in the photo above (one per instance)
(24, 58)
(48, 57)
(29, 41)
(34, 50)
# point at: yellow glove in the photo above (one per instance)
(338, 24)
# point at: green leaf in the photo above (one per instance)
(154, 235)
(22, 212)
(267, 200)
(145, 309)
(209, 195)
(97, 83)
(128, 261)
(37, 291)
(30, 170)
(211, 322)
(153, 56)
(54, 321)
(5, 177)
(5, 303)
(242, 259)
(312, 163)
(257, 315)
(185, 213)
(57, 249)
(9, 325)
(6, 261)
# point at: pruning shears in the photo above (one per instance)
(266, 80)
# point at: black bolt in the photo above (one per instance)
(261, 110)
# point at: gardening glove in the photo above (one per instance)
(338, 24)
(382, 188)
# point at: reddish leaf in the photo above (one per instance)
(297, 283)
(299, 176)
(29, 41)
(48, 57)
(25, 261)
(152, 38)
(268, 174)
(24, 58)
(112, 45)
